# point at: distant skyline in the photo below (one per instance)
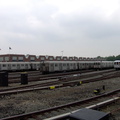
(82, 28)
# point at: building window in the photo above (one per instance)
(58, 58)
(32, 58)
(14, 58)
(6, 58)
(20, 58)
(1, 58)
(51, 58)
(42, 58)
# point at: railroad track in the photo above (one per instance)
(37, 77)
(69, 81)
(38, 73)
(102, 106)
(50, 112)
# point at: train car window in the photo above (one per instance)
(56, 65)
(43, 64)
(13, 65)
(60, 64)
(64, 64)
(52, 65)
(4, 65)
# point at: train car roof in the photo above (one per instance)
(60, 62)
(14, 62)
(117, 61)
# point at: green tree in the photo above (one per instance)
(117, 57)
(110, 58)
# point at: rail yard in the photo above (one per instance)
(59, 60)
(44, 93)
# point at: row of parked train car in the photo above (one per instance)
(55, 66)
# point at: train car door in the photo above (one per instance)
(60, 66)
(31, 66)
(18, 66)
(26, 66)
(9, 66)
(52, 67)
(47, 67)
(68, 66)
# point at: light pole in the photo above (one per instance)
(9, 54)
(62, 53)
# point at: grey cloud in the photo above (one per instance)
(91, 25)
(76, 33)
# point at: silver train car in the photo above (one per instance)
(103, 64)
(58, 66)
(19, 66)
(117, 64)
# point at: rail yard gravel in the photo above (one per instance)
(37, 100)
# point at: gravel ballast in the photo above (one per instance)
(37, 100)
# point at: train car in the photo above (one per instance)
(14, 66)
(34, 65)
(103, 64)
(117, 64)
(19, 66)
(58, 66)
(84, 65)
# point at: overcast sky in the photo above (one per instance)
(82, 28)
